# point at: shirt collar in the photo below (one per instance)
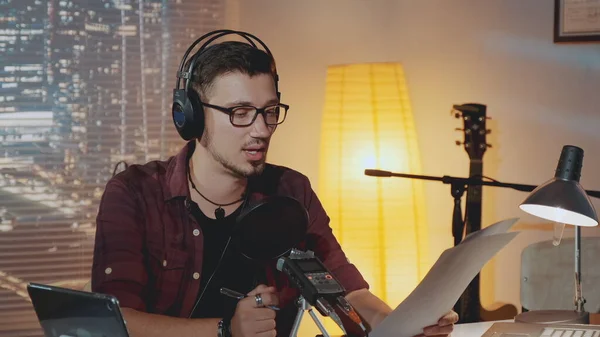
(176, 175)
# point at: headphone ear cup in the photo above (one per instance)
(177, 111)
(183, 115)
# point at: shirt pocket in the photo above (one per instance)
(170, 273)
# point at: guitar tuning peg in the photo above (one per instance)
(467, 145)
(486, 117)
(459, 129)
(489, 145)
(488, 131)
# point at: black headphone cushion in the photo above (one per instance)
(196, 113)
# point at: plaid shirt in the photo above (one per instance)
(149, 248)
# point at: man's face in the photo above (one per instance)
(242, 151)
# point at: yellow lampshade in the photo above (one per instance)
(381, 224)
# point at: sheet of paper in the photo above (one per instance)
(497, 228)
(445, 282)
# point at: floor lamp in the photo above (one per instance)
(563, 200)
(368, 120)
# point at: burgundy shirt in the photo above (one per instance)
(149, 248)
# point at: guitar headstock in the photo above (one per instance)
(474, 128)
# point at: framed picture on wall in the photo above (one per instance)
(576, 20)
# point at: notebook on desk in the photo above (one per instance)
(510, 329)
(65, 312)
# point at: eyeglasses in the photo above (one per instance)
(245, 115)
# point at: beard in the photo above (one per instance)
(239, 171)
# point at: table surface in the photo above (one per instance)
(478, 329)
(472, 329)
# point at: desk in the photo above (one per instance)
(478, 329)
(473, 329)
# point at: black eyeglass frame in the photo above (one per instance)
(262, 111)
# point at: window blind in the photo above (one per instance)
(84, 85)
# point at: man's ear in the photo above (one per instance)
(204, 139)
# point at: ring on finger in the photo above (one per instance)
(259, 301)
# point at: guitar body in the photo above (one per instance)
(469, 305)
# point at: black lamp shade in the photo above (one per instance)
(562, 199)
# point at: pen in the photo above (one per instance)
(239, 296)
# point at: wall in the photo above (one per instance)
(540, 95)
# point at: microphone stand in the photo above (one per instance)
(457, 189)
(458, 186)
(303, 306)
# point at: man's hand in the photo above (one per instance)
(444, 327)
(250, 320)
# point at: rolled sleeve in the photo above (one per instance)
(326, 246)
(118, 266)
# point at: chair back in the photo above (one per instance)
(548, 275)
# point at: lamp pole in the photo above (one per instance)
(579, 300)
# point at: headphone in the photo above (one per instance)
(187, 111)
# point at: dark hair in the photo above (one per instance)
(227, 57)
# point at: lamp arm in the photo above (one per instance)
(464, 181)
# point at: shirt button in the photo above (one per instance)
(187, 203)
(164, 263)
(196, 232)
(108, 270)
(196, 276)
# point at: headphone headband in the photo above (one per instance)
(187, 75)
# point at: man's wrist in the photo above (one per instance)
(224, 328)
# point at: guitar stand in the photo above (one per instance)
(303, 306)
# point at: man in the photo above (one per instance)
(163, 244)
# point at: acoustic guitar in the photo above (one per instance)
(475, 144)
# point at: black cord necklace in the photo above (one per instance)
(219, 212)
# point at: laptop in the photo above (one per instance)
(510, 329)
(65, 312)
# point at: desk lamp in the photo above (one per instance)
(564, 201)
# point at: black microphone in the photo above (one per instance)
(261, 238)
(378, 173)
